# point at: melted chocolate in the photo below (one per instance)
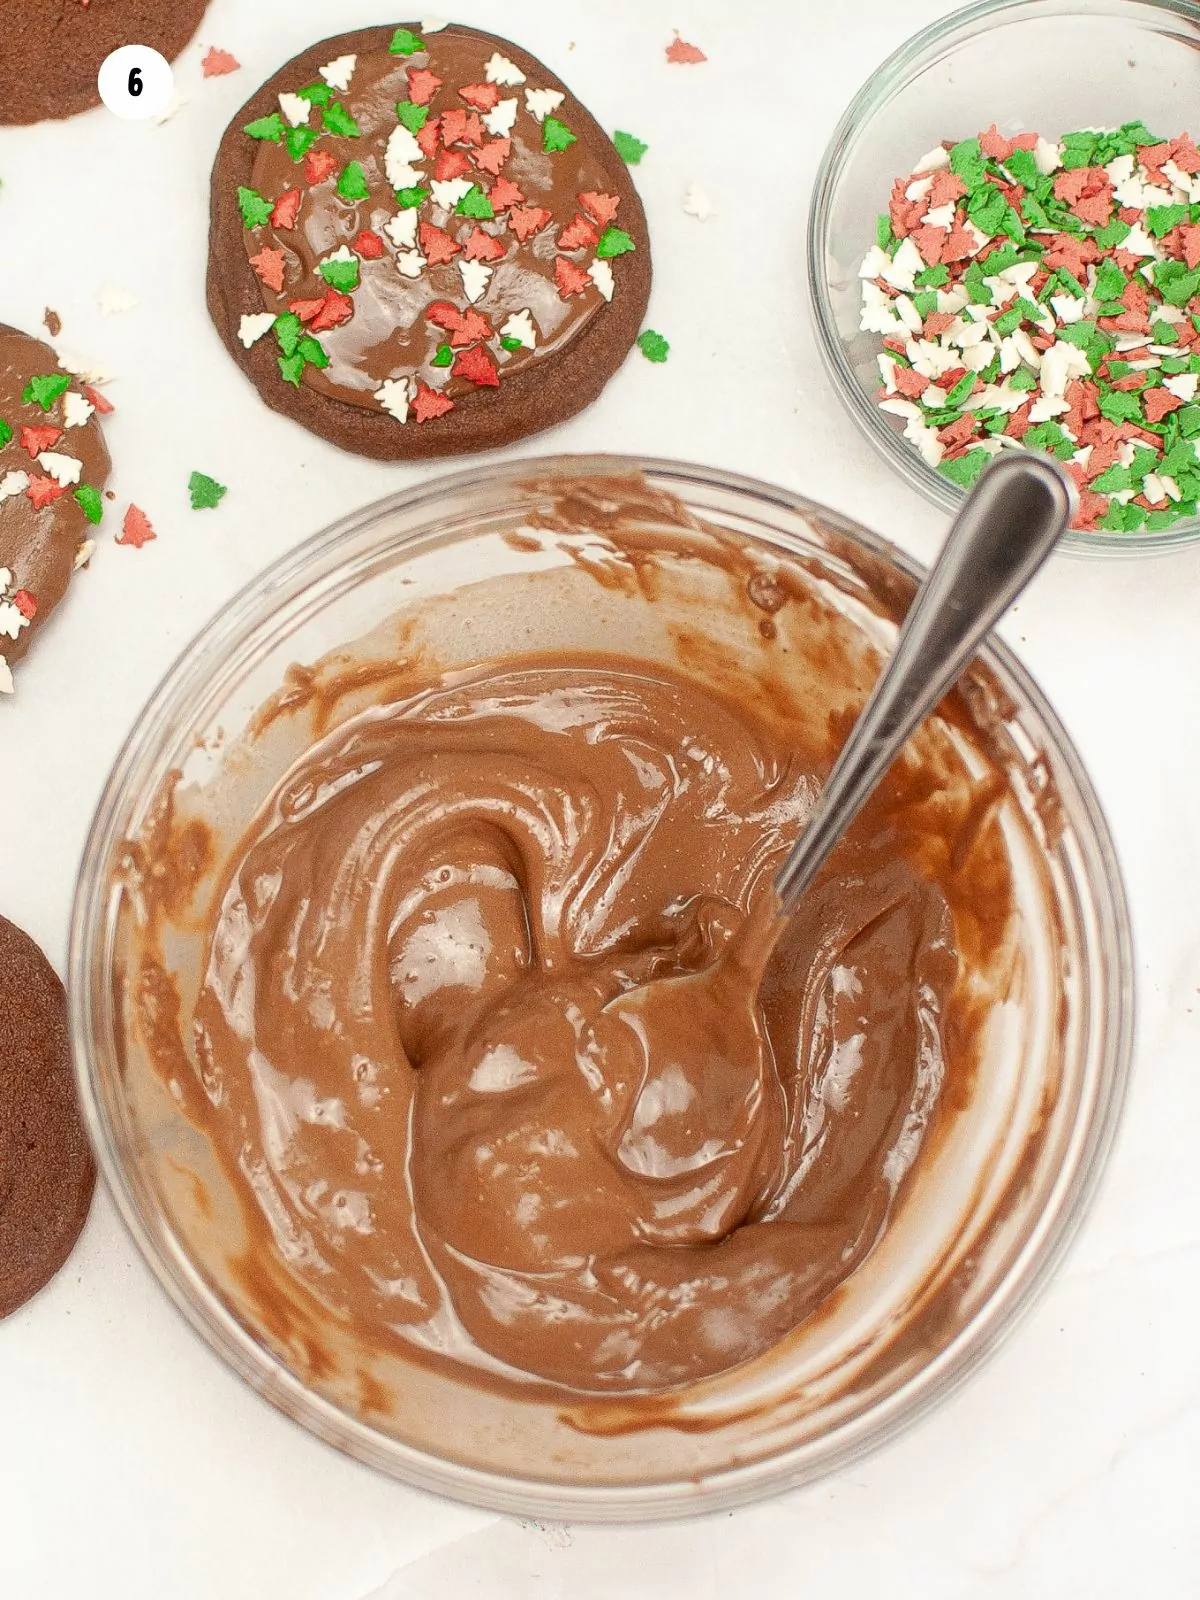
(426, 1048)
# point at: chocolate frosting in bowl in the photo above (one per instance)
(414, 1037)
(447, 1077)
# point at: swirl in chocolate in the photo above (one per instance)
(424, 226)
(448, 1039)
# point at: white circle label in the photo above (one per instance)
(135, 82)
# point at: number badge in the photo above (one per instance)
(135, 82)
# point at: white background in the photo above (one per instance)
(132, 1466)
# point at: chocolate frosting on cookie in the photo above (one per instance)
(431, 230)
(53, 465)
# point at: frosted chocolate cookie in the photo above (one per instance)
(424, 245)
(53, 465)
(53, 49)
(46, 1171)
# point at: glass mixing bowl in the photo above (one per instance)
(477, 565)
(1045, 65)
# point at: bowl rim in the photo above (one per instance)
(1026, 1275)
(893, 74)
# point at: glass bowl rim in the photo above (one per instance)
(1026, 1275)
(893, 74)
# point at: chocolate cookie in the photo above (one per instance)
(46, 1171)
(53, 465)
(53, 48)
(424, 245)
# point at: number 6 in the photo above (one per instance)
(135, 81)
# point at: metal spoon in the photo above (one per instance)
(1011, 521)
(708, 1021)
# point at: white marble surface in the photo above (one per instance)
(132, 1466)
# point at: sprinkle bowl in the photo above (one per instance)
(1049, 66)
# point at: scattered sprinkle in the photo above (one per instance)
(103, 405)
(206, 492)
(652, 345)
(630, 149)
(173, 106)
(682, 54)
(113, 301)
(218, 63)
(697, 204)
(136, 529)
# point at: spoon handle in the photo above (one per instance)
(1010, 522)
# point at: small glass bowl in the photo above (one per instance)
(992, 1208)
(1044, 65)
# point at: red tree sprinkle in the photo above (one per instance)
(219, 62)
(472, 327)
(429, 404)
(43, 491)
(35, 440)
(335, 309)
(436, 245)
(602, 208)
(577, 235)
(682, 54)
(524, 220)
(422, 86)
(483, 96)
(570, 278)
(319, 165)
(482, 246)
(26, 604)
(268, 264)
(492, 156)
(503, 194)
(428, 136)
(477, 367)
(450, 164)
(306, 310)
(287, 208)
(136, 529)
(102, 405)
(443, 315)
(368, 245)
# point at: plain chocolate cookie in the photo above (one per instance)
(46, 1171)
(424, 245)
(52, 49)
(53, 466)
